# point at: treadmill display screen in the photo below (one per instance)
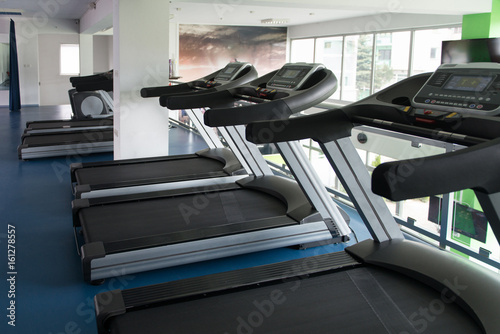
(290, 74)
(293, 76)
(229, 70)
(468, 83)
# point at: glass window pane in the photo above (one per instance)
(427, 47)
(329, 53)
(302, 50)
(470, 227)
(356, 76)
(70, 59)
(377, 148)
(392, 53)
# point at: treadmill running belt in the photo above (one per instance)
(147, 171)
(69, 138)
(330, 303)
(73, 124)
(149, 218)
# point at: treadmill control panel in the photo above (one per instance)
(293, 76)
(472, 88)
(228, 73)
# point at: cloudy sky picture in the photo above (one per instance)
(204, 49)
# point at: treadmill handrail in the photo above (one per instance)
(203, 99)
(440, 174)
(323, 127)
(101, 81)
(106, 85)
(192, 86)
(104, 76)
(175, 89)
(212, 98)
(283, 107)
(184, 87)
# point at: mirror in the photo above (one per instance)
(4, 66)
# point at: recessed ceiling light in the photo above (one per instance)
(274, 21)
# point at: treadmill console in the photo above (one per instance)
(293, 76)
(228, 73)
(472, 88)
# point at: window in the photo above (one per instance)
(365, 64)
(392, 61)
(303, 50)
(424, 59)
(70, 59)
(329, 52)
(357, 67)
(384, 55)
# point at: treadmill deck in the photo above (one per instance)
(154, 170)
(357, 300)
(179, 215)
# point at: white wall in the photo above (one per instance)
(86, 54)
(110, 53)
(103, 53)
(367, 24)
(53, 86)
(28, 31)
(140, 60)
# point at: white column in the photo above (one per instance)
(86, 54)
(140, 52)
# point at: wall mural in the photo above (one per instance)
(205, 48)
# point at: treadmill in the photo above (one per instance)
(131, 233)
(91, 105)
(80, 135)
(96, 179)
(384, 285)
(91, 96)
(62, 143)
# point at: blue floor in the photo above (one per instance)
(48, 290)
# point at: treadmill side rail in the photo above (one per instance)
(90, 252)
(108, 304)
(98, 266)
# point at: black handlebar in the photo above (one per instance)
(199, 100)
(184, 88)
(474, 167)
(322, 127)
(200, 85)
(101, 81)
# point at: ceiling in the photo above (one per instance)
(239, 12)
(64, 9)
